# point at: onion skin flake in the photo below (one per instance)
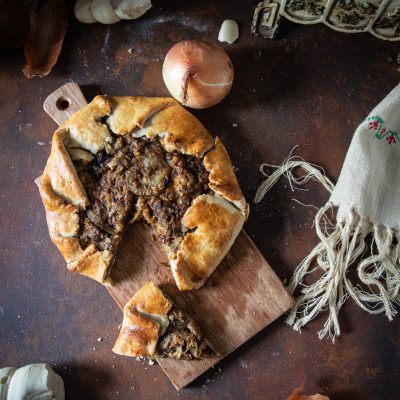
(45, 38)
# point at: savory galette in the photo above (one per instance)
(155, 327)
(123, 159)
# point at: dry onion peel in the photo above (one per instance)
(197, 74)
(45, 38)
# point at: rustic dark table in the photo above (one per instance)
(312, 86)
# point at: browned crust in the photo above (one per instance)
(216, 224)
(151, 300)
(130, 112)
(139, 332)
(85, 128)
(221, 176)
(181, 131)
(64, 196)
(177, 128)
(63, 224)
(138, 335)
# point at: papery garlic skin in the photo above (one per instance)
(130, 9)
(35, 382)
(83, 11)
(229, 31)
(103, 12)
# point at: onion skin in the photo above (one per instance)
(197, 74)
(45, 38)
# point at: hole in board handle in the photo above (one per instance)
(62, 103)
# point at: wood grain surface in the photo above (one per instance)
(311, 87)
(64, 101)
(242, 296)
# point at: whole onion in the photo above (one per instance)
(197, 74)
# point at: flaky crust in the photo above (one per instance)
(221, 176)
(63, 194)
(88, 131)
(214, 224)
(140, 330)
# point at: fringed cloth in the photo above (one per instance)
(364, 235)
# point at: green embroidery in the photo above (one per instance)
(375, 124)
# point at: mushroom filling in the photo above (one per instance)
(183, 338)
(135, 178)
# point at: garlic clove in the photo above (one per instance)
(83, 11)
(229, 31)
(5, 378)
(103, 12)
(36, 382)
(130, 9)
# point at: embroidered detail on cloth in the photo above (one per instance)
(362, 235)
(376, 124)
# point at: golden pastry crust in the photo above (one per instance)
(222, 178)
(216, 224)
(87, 132)
(140, 331)
(164, 117)
(130, 112)
(63, 194)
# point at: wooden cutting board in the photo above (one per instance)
(241, 297)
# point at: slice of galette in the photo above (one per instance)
(154, 327)
(122, 159)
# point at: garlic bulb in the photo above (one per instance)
(103, 12)
(229, 31)
(130, 9)
(83, 11)
(34, 382)
(110, 11)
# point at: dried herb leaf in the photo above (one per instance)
(45, 39)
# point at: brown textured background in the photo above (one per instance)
(312, 87)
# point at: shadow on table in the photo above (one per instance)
(82, 381)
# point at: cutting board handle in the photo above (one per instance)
(64, 101)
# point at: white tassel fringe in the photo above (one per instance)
(342, 245)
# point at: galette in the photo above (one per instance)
(123, 159)
(153, 326)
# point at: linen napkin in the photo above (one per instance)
(358, 228)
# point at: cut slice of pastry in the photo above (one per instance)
(154, 327)
(122, 159)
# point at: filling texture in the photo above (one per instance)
(135, 178)
(183, 338)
